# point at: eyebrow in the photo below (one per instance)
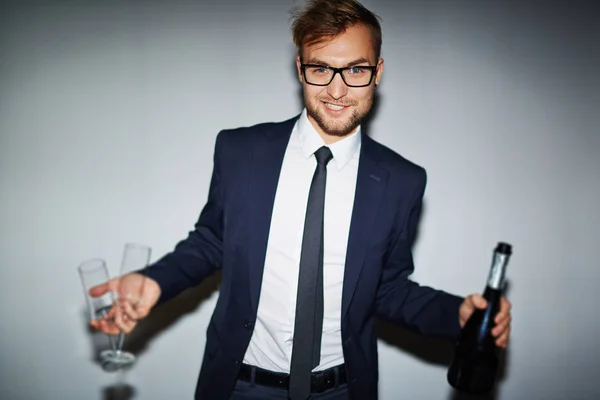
(357, 61)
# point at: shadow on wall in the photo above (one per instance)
(162, 317)
(121, 391)
(160, 320)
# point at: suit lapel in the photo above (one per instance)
(267, 159)
(370, 186)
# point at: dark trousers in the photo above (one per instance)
(250, 390)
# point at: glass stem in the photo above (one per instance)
(120, 341)
(112, 339)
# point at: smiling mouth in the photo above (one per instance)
(334, 107)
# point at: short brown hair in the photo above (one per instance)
(324, 19)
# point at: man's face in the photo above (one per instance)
(336, 110)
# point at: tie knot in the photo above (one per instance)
(323, 155)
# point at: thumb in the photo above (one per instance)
(101, 289)
(478, 301)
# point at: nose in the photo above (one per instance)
(337, 88)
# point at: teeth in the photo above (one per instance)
(334, 107)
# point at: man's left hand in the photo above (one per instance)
(501, 330)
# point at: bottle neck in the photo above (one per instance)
(497, 271)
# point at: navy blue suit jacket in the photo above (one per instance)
(232, 232)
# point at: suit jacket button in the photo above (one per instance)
(248, 325)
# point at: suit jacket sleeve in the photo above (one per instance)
(431, 312)
(197, 256)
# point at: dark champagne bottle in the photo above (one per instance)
(475, 364)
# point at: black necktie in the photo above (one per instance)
(308, 326)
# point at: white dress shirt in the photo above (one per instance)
(272, 339)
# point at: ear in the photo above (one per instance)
(298, 69)
(379, 72)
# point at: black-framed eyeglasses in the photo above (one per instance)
(322, 75)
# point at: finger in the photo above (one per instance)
(108, 322)
(505, 305)
(479, 301)
(101, 289)
(124, 323)
(109, 328)
(502, 317)
(502, 327)
(504, 312)
(120, 319)
(108, 316)
(502, 341)
(128, 325)
(129, 311)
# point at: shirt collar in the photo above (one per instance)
(310, 141)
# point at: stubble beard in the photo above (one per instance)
(338, 128)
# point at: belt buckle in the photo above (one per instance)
(323, 380)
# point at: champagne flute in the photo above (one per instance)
(93, 272)
(135, 257)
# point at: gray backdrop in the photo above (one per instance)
(108, 115)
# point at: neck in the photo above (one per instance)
(497, 271)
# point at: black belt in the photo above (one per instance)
(320, 380)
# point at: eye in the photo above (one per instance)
(356, 70)
(318, 70)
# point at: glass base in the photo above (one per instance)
(115, 360)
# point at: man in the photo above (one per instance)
(312, 223)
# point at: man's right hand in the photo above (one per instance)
(136, 295)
